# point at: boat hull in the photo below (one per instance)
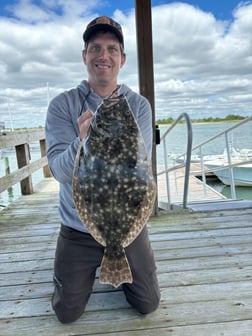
(242, 174)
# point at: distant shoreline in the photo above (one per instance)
(194, 122)
(229, 118)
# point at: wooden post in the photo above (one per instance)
(23, 158)
(145, 65)
(46, 169)
(6, 165)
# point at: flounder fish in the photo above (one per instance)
(113, 185)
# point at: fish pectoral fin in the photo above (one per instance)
(115, 272)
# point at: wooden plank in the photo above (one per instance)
(27, 306)
(161, 253)
(225, 328)
(197, 190)
(23, 256)
(165, 241)
(127, 320)
(27, 277)
(19, 175)
(15, 138)
(180, 222)
(203, 263)
(37, 284)
(36, 232)
(26, 244)
(164, 265)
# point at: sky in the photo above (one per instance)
(202, 55)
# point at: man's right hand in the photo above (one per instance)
(84, 122)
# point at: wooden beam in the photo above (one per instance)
(46, 169)
(22, 173)
(23, 159)
(145, 64)
(15, 138)
(144, 46)
(21, 140)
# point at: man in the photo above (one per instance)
(69, 116)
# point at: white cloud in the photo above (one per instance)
(202, 66)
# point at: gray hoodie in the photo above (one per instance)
(62, 138)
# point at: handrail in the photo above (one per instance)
(188, 157)
(222, 133)
(20, 141)
(229, 165)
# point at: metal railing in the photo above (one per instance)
(166, 171)
(185, 160)
(229, 148)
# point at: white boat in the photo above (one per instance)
(242, 174)
(240, 169)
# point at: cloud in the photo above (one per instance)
(202, 65)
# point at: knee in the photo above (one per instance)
(67, 316)
(148, 306)
(67, 309)
(144, 303)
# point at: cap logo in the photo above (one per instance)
(103, 19)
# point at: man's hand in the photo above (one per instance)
(84, 122)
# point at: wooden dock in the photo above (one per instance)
(197, 190)
(204, 262)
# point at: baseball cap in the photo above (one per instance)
(103, 23)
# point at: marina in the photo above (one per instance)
(203, 255)
(196, 160)
(241, 137)
(201, 236)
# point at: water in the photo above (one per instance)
(9, 159)
(176, 144)
(177, 141)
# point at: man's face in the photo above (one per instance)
(103, 58)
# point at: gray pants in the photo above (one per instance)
(78, 256)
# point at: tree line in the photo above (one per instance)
(230, 117)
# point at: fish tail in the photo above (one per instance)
(115, 271)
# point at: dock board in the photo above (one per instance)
(197, 190)
(204, 265)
